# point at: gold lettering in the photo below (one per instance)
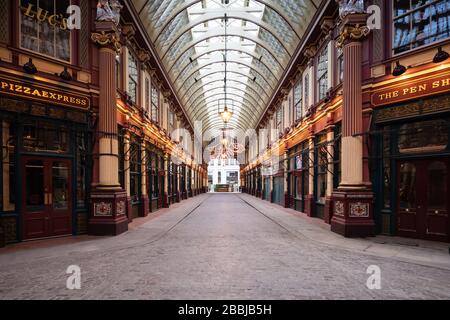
(64, 24)
(4, 85)
(39, 16)
(27, 90)
(45, 94)
(52, 20)
(60, 96)
(53, 95)
(422, 87)
(66, 99)
(18, 88)
(28, 11)
(413, 89)
(36, 93)
(436, 84)
(395, 94)
(446, 82)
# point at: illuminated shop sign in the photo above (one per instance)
(33, 92)
(412, 90)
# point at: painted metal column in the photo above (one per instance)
(353, 201)
(165, 201)
(310, 201)
(108, 210)
(144, 193)
(287, 201)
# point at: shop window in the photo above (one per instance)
(298, 100)
(423, 136)
(147, 96)
(437, 187)
(122, 157)
(306, 91)
(8, 156)
(387, 181)
(43, 28)
(155, 175)
(42, 136)
(133, 78)
(322, 166)
(322, 72)
(337, 174)
(81, 170)
(419, 22)
(340, 65)
(155, 104)
(135, 169)
(407, 186)
(279, 119)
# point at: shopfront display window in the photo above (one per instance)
(423, 136)
(322, 165)
(43, 136)
(135, 169)
(8, 156)
(44, 28)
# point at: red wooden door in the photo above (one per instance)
(47, 197)
(423, 204)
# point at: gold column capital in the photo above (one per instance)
(350, 32)
(105, 39)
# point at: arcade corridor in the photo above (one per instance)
(223, 246)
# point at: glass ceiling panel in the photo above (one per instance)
(189, 36)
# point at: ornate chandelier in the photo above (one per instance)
(227, 148)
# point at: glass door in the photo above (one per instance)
(423, 204)
(47, 197)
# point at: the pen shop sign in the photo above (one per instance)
(412, 90)
(42, 94)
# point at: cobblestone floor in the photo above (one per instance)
(212, 247)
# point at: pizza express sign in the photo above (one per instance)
(17, 89)
(412, 90)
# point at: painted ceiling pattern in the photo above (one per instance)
(189, 36)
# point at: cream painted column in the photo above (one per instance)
(353, 201)
(108, 142)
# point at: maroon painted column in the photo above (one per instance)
(108, 208)
(353, 200)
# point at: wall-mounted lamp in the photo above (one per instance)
(65, 74)
(399, 69)
(440, 56)
(29, 67)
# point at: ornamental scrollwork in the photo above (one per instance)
(352, 32)
(107, 38)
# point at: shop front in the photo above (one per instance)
(298, 176)
(412, 180)
(46, 160)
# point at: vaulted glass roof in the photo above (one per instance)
(261, 37)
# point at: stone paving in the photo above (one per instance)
(224, 246)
